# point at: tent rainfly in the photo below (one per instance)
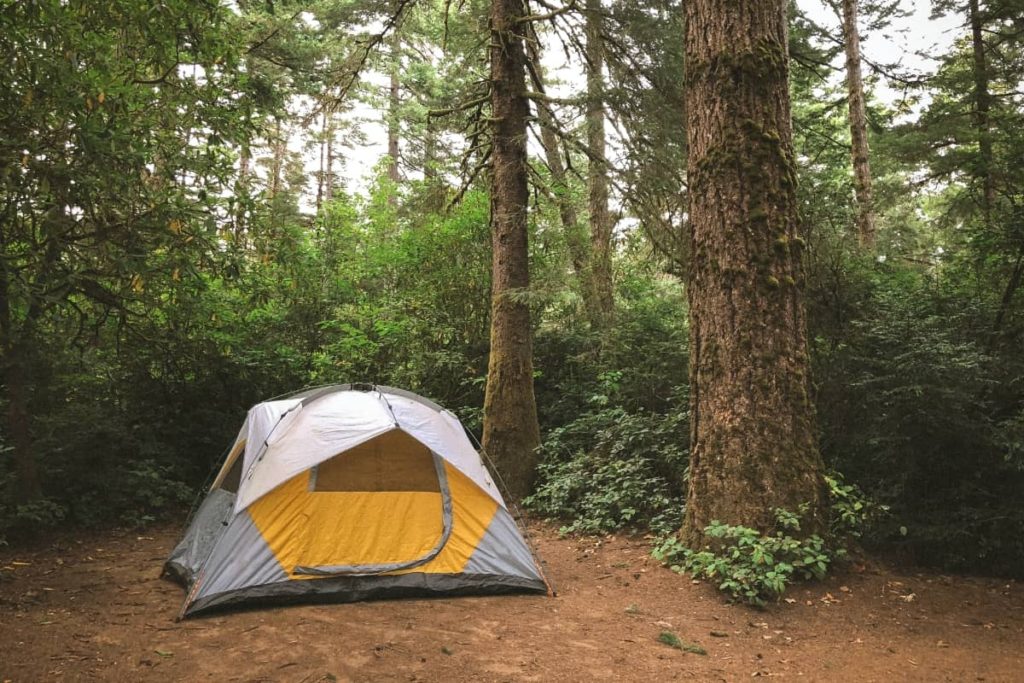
(346, 493)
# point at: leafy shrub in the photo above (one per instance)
(851, 512)
(921, 411)
(756, 568)
(750, 566)
(610, 469)
(33, 516)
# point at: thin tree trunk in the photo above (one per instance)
(511, 432)
(1014, 283)
(597, 178)
(393, 104)
(435, 188)
(430, 152)
(858, 127)
(321, 176)
(753, 436)
(15, 365)
(982, 106)
(277, 164)
(27, 485)
(575, 232)
(241, 195)
(329, 179)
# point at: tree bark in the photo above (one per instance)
(753, 435)
(511, 433)
(858, 127)
(394, 102)
(597, 178)
(14, 365)
(27, 486)
(576, 237)
(279, 147)
(321, 176)
(329, 180)
(982, 107)
(241, 195)
(1014, 283)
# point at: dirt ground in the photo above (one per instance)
(95, 609)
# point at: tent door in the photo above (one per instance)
(383, 506)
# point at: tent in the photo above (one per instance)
(346, 493)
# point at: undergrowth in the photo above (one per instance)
(755, 567)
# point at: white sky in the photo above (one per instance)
(905, 43)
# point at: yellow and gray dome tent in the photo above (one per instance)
(347, 493)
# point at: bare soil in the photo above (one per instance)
(94, 608)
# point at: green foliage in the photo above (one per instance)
(672, 640)
(162, 268)
(919, 410)
(750, 566)
(851, 512)
(611, 469)
(755, 567)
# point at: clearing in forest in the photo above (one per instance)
(94, 608)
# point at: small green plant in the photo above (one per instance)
(752, 567)
(852, 513)
(756, 568)
(672, 640)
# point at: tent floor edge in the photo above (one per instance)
(360, 588)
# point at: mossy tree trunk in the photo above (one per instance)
(601, 222)
(858, 127)
(753, 434)
(511, 433)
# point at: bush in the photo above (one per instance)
(750, 566)
(922, 411)
(611, 469)
(755, 567)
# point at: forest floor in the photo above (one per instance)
(93, 608)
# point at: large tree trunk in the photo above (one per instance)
(753, 436)
(982, 106)
(597, 179)
(511, 433)
(858, 127)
